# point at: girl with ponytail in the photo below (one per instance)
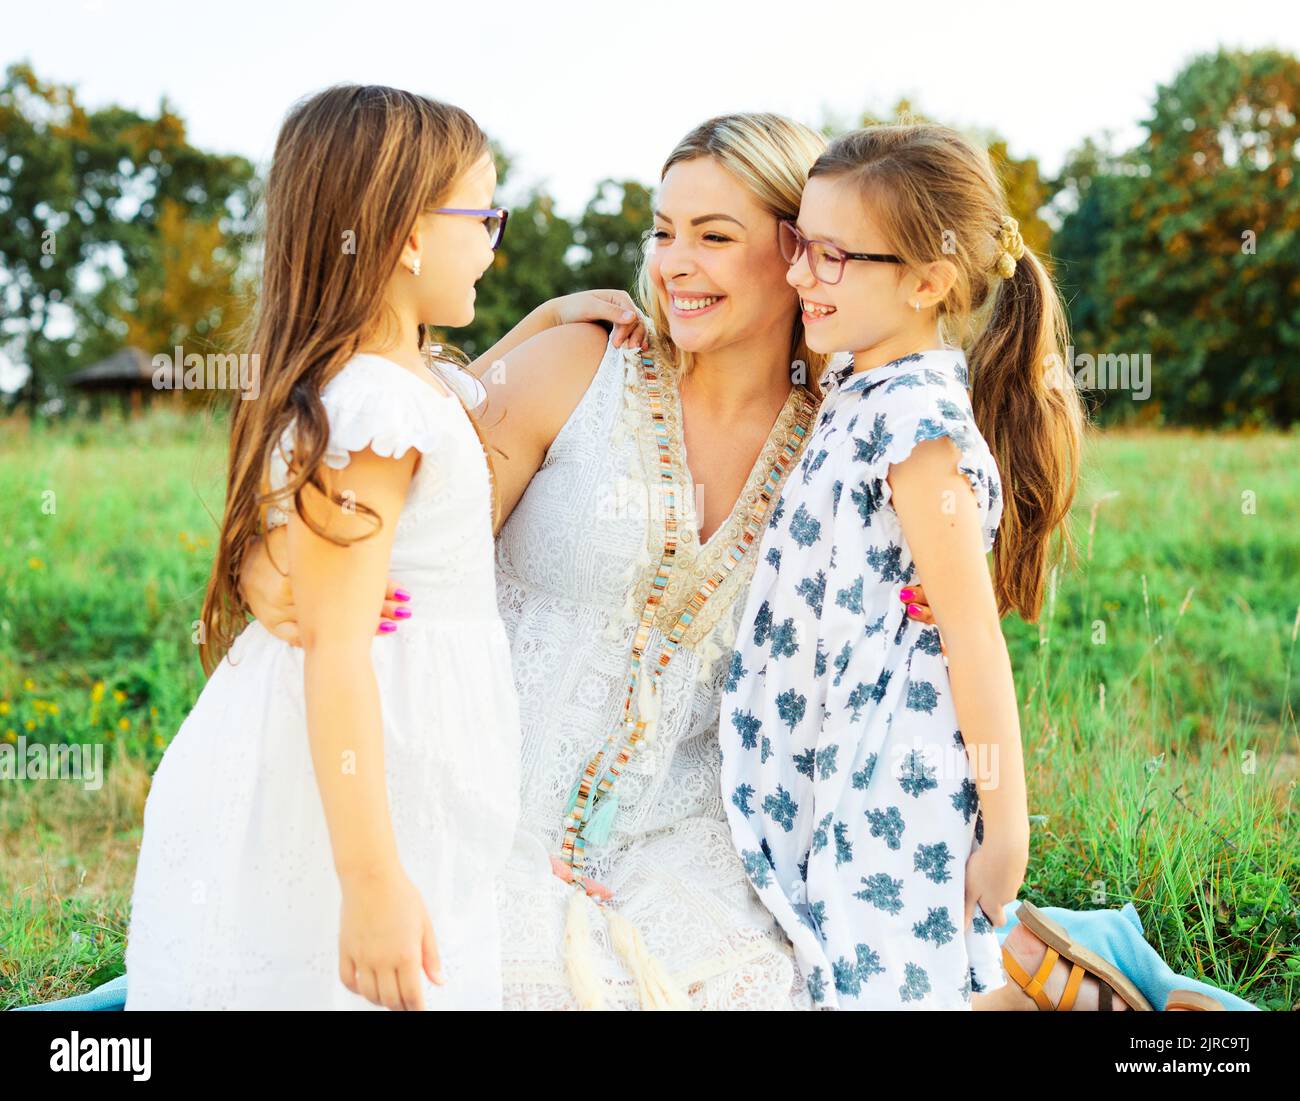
(876, 791)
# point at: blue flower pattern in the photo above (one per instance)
(856, 815)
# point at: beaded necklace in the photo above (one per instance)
(593, 804)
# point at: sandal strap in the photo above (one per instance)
(1071, 987)
(1033, 987)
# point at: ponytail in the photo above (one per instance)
(1029, 412)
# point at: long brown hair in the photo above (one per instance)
(937, 197)
(770, 155)
(354, 167)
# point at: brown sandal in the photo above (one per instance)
(1113, 982)
(1190, 999)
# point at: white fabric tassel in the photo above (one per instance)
(578, 961)
(654, 988)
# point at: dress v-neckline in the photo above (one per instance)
(680, 459)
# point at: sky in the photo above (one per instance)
(580, 91)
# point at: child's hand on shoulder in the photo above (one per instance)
(995, 873)
(385, 940)
(615, 307)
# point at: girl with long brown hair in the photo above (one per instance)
(323, 830)
(876, 792)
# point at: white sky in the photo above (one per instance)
(578, 91)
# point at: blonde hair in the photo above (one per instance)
(770, 155)
(360, 159)
(937, 198)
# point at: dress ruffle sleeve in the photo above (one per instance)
(372, 404)
(909, 414)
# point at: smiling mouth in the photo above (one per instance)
(815, 311)
(688, 306)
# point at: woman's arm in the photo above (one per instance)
(531, 392)
(615, 307)
(940, 519)
(385, 935)
(266, 589)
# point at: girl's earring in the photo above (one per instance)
(415, 267)
(915, 305)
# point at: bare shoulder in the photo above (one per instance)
(542, 381)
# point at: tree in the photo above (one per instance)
(1185, 248)
(611, 234)
(113, 222)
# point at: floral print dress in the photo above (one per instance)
(850, 795)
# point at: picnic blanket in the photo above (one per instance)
(1115, 935)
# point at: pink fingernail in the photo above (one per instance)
(401, 594)
(388, 628)
(913, 609)
(402, 613)
(906, 594)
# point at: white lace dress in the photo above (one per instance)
(575, 562)
(236, 902)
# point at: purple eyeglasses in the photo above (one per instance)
(494, 220)
(825, 261)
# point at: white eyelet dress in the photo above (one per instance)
(236, 902)
(575, 562)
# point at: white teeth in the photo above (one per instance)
(820, 311)
(694, 303)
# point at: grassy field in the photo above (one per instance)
(1156, 692)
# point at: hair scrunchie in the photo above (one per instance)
(1011, 247)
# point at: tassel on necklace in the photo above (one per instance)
(578, 958)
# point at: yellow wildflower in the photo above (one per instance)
(97, 693)
(35, 564)
(11, 735)
(124, 724)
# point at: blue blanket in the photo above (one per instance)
(1115, 935)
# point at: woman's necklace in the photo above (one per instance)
(593, 803)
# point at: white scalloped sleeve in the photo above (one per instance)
(375, 404)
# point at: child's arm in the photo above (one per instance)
(386, 936)
(615, 307)
(940, 519)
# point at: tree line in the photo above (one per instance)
(116, 231)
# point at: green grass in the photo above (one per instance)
(1156, 693)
